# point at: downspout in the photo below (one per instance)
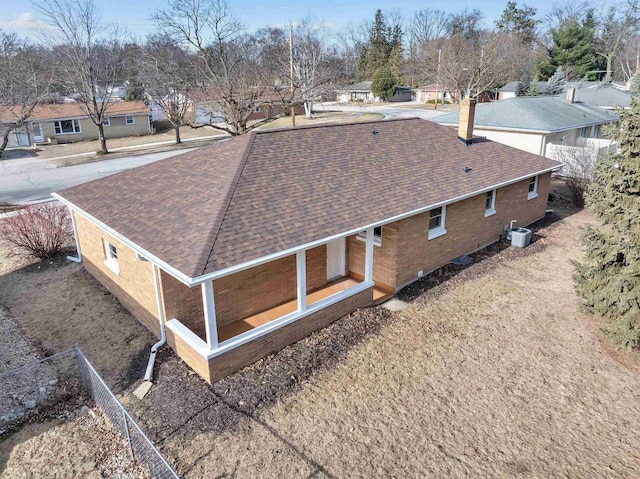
(544, 145)
(148, 375)
(77, 259)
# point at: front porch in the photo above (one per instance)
(336, 286)
(281, 311)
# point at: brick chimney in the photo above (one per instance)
(571, 94)
(467, 113)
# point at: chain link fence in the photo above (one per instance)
(59, 382)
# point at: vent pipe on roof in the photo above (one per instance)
(571, 95)
(467, 114)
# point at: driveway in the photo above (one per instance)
(38, 185)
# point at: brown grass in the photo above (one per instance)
(85, 446)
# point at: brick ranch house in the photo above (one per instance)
(240, 248)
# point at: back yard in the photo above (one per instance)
(491, 371)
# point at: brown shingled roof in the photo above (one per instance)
(57, 111)
(245, 198)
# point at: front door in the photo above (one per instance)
(38, 137)
(335, 258)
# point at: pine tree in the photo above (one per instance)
(635, 85)
(609, 277)
(383, 48)
(384, 83)
(557, 83)
(573, 46)
(520, 22)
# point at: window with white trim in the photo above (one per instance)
(111, 257)
(594, 131)
(533, 188)
(436, 222)
(66, 127)
(583, 132)
(377, 236)
(490, 203)
(129, 120)
(106, 121)
(565, 138)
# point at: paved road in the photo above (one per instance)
(38, 185)
(386, 110)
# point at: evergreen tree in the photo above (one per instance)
(383, 48)
(557, 83)
(573, 46)
(520, 22)
(384, 82)
(635, 85)
(609, 277)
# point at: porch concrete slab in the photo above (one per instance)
(394, 304)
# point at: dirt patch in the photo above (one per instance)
(83, 444)
(58, 304)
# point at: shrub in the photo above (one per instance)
(37, 231)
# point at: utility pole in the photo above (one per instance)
(438, 78)
(293, 108)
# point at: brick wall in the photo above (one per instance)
(183, 303)
(257, 289)
(384, 256)
(467, 228)
(133, 286)
(237, 358)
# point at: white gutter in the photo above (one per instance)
(280, 254)
(148, 375)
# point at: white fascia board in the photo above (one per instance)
(280, 254)
(152, 258)
(481, 128)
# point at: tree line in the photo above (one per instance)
(201, 50)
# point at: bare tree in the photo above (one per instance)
(236, 80)
(426, 26)
(24, 80)
(617, 25)
(88, 55)
(167, 73)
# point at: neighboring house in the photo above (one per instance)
(242, 247)
(68, 123)
(361, 92)
(206, 109)
(606, 97)
(532, 123)
(428, 93)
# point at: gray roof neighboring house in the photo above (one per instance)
(363, 86)
(512, 86)
(544, 114)
(604, 97)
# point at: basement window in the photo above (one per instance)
(490, 203)
(436, 222)
(377, 236)
(533, 188)
(111, 257)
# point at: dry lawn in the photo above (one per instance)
(498, 376)
(319, 118)
(83, 447)
(58, 304)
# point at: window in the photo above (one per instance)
(258, 110)
(129, 120)
(111, 257)
(533, 188)
(564, 140)
(583, 132)
(436, 222)
(490, 203)
(594, 131)
(106, 121)
(66, 127)
(377, 236)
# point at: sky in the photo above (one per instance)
(21, 17)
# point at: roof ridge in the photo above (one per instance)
(329, 125)
(205, 255)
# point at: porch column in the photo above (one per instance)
(210, 314)
(368, 256)
(301, 273)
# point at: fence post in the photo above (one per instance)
(126, 428)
